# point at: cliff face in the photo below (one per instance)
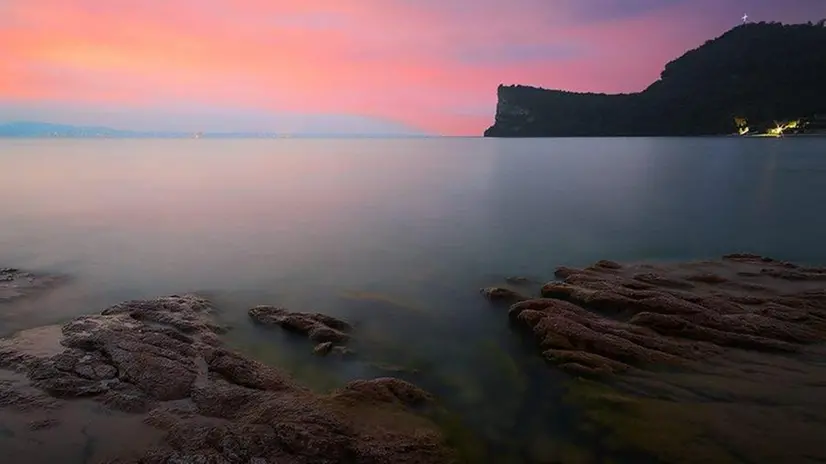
(759, 73)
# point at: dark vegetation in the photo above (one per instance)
(761, 73)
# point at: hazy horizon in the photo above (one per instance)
(222, 123)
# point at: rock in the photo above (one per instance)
(160, 359)
(321, 334)
(159, 364)
(502, 294)
(99, 371)
(669, 324)
(606, 264)
(325, 348)
(179, 312)
(602, 323)
(385, 390)
(319, 328)
(228, 400)
(42, 424)
(159, 377)
(322, 349)
(127, 402)
(559, 325)
(343, 351)
(591, 360)
(747, 257)
(661, 281)
(707, 277)
(248, 373)
(16, 283)
(791, 274)
(69, 386)
(565, 272)
(17, 395)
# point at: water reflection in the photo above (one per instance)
(395, 236)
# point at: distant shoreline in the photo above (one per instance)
(398, 137)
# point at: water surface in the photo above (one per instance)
(396, 236)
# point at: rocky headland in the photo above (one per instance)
(150, 381)
(725, 86)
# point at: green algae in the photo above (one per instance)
(393, 369)
(468, 446)
(663, 430)
(504, 367)
(388, 356)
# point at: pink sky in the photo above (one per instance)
(430, 65)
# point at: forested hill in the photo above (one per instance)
(754, 75)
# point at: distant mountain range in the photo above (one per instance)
(44, 129)
(755, 78)
(34, 129)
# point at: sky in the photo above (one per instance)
(364, 66)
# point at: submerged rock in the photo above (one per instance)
(518, 280)
(606, 264)
(160, 358)
(610, 318)
(320, 328)
(500, 294)
(343, 351)
(323, 349)
(327, 348)
(689, 362)
(16, 283)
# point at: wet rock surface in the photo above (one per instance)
(501, 294)
(609, 318)
(17, 283)
(161, 362)
(714, 361)
(329, 334)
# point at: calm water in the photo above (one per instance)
(395, 235)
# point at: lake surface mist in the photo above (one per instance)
(396, 236)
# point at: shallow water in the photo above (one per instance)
(396, 236)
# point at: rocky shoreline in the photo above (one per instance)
(610, 318)
(674, 360)
(161, 365)
(713, 361)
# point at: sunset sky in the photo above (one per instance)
(353, 65)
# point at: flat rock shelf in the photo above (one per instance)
(152, 382)
(711, 361)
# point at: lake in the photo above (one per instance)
(396, 236)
